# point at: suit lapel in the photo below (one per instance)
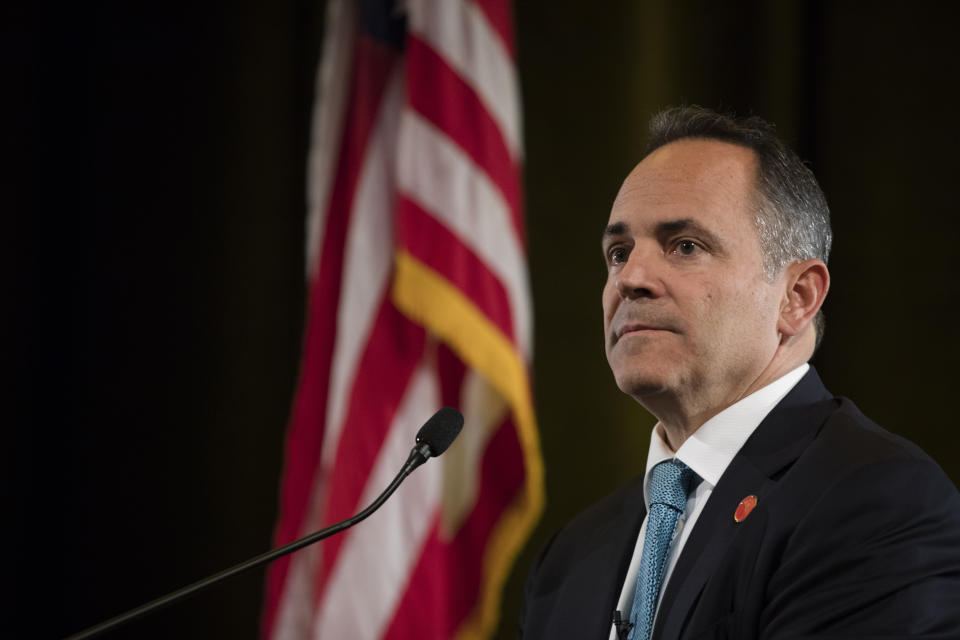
(617, 550)
(777, 442)
(592, 588)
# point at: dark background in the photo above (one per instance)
(152, 261)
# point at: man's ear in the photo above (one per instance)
(807, 285)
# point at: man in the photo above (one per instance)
(769, 508)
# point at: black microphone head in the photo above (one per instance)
(440, 430)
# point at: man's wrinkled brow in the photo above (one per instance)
(615, 229)
(667, 229)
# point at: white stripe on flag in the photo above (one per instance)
(333, 83)
(366, 271)
(460, 33)
(367, 260)
(377, 558)
(295, 608)
(436, 174)
(483, 410)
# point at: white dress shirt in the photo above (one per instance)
(708, 452)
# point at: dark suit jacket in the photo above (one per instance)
(856, 534)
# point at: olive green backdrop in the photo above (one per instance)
(155, 260)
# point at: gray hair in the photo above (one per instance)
(791, 213)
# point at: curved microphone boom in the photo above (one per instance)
(433, 439)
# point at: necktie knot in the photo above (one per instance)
(670, 483)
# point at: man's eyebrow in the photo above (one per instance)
(688, 225)
(667, 228)
(615, 229)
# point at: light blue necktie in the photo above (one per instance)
(669, 485)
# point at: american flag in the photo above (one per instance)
(418, 298)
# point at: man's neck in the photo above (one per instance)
(680, 417)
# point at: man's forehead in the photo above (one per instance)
(699, 154)
(695, 181)
(692, 166)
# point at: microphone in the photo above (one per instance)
(433, 439)
(623, 627)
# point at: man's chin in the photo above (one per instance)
(639, 386)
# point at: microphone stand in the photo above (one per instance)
(417, 457)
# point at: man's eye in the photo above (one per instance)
(686, 247)
(619, 255)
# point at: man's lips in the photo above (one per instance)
(637, 327)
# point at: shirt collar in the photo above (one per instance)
(712, 447)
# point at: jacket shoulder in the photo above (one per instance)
(867, 525)
(572, 587)
(850, 443)
(621, 510)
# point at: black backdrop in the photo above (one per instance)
(152, 192)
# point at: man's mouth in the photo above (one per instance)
(637, 327)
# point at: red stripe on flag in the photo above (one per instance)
(394, 349)
(500, 17)
(373, 63)
(451, 372)
(439, 94)
(437, 247)
(452, 595)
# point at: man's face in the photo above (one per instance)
(687, 310)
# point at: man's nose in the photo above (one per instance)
(640, 276)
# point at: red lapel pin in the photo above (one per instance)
(744, 508)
